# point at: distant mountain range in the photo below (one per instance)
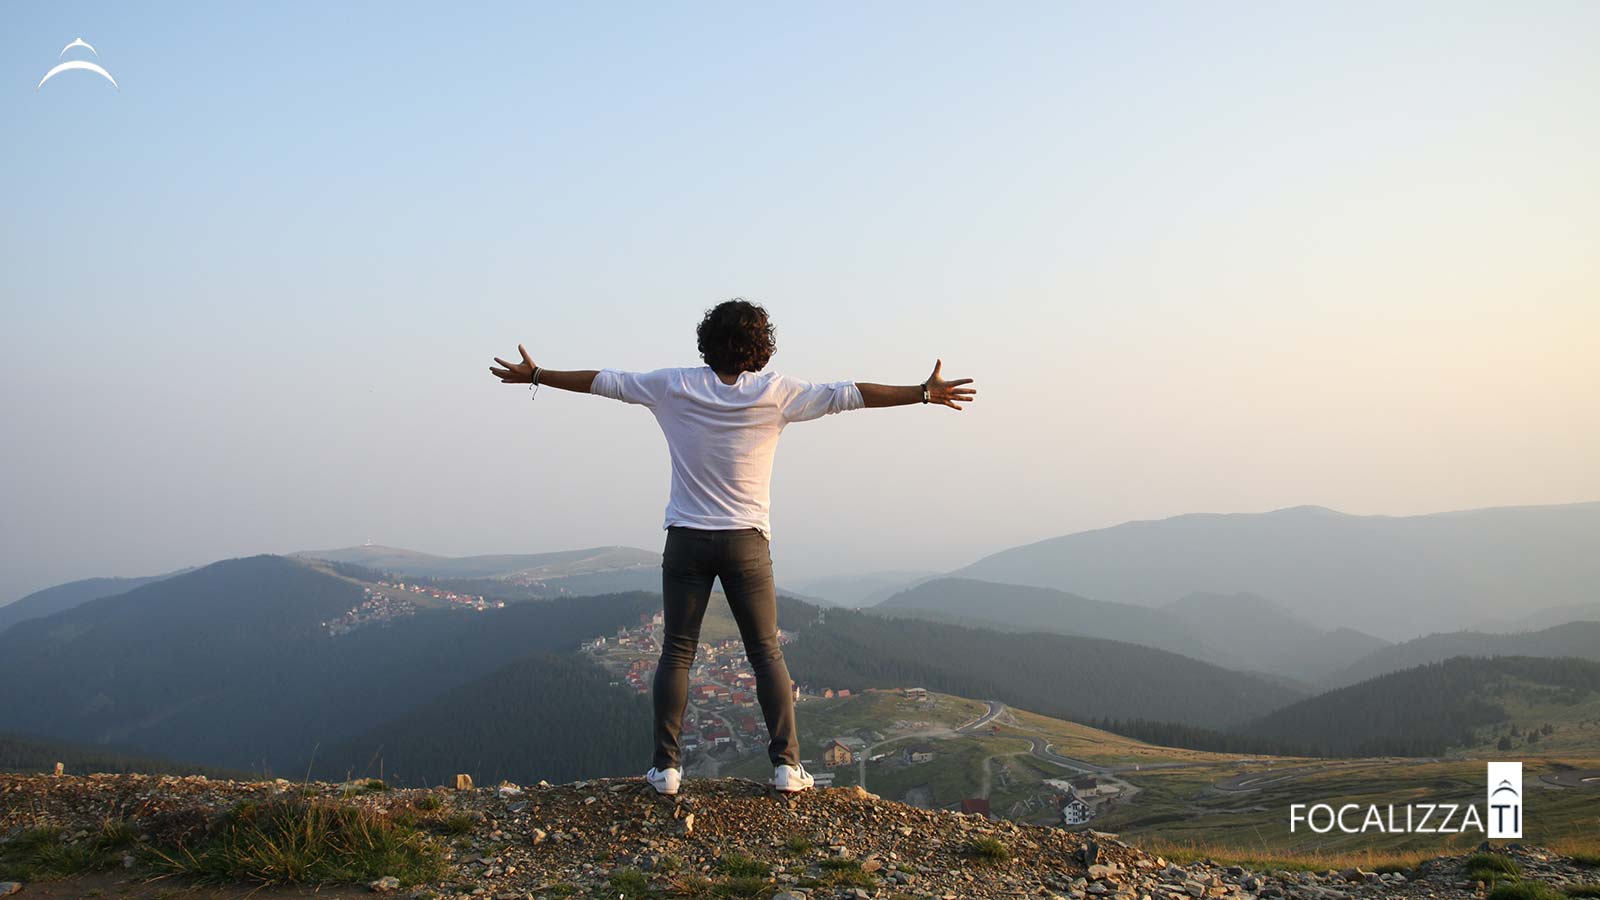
(1539, 619)
(234, 665)
(865, 589)
(52, 600)
(593, 570)
(231, 664)
(1219, 624)
(1239, 631)
(1395, 577)
(1574, 639)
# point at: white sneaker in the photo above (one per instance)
(665, 781)
(792, 779)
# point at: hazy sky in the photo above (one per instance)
(1199, 257)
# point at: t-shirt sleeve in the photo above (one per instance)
(803, 400)
(645, 388)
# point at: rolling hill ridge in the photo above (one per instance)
(1394, 577)
(1238, 631)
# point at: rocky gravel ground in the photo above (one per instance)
(733, 838)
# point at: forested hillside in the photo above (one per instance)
(1424, 711)
(61, 597)
(1577, 639)
(25, 754)
(230, 665)
(1236, 631)
(1058, 675)
(549, 716)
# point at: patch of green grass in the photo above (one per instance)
(736, 865)
(34, 838)
(1587, 860)
(798, 844)
(668, 864)
(428, 803)
(294, 840)
(629, 883)
(41, 854)
(1582, 890)
(1524, 890)
(743, 887)
(460, 823)
(366, 786)
(1491, 867)
(988, 849)
(844, 871)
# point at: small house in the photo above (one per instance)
(837, 754)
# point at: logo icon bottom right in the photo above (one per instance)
(1505, 800)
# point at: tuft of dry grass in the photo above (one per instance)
(1584, 850)
(1372, 859)
(298, 840)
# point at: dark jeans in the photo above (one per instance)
(741, 559)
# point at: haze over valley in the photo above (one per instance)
(373, 659)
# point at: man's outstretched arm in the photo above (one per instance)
(579, 380)
(947, 393)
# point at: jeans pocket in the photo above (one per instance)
(754, 551)
(686, 552)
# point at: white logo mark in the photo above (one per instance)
(78, 64)
(1505, 800)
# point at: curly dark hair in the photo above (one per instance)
(736, 336)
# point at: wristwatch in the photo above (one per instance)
(924, 392)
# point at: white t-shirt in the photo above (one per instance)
(722, 437)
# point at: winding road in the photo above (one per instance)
(1039, 748)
